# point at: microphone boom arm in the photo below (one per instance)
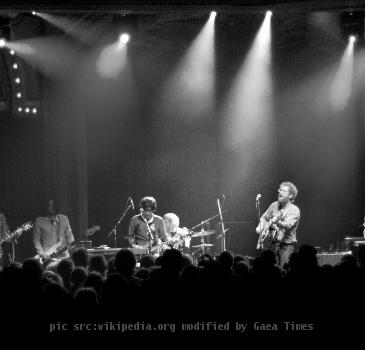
(114, 229)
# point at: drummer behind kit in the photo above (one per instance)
(180, 242)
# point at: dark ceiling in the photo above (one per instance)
(150, 6)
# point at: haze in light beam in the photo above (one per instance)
(51, 55)
(80, 29)
(189, 92)
(341, 88)
(248, 108)
(112, 60)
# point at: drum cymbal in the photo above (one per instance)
(204, 233)
(202, 245)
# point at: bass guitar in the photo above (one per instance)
(57, 250)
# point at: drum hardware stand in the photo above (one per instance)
(114, 230)
(207, 220)
(223, 234)
(202, 225)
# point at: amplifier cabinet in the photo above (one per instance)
(331, 258)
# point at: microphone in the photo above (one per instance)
(258, 197)
(132, 204)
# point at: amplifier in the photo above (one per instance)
(331, 258)
(84, 244)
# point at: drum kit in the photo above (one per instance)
(200, 249)
(202, 234)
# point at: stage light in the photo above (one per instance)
(352, 23)
(34, 13)
(124, 38)
(341, 88)
(27, 110)
(34, 110)
(269, 13)
(249, 103)
(15, 66)
(192, 83)
(18, 95)
(20, 109)
(12, 52)
(213, 14)
(17, 80)
(2, 43)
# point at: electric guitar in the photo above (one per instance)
(55, 251)
(173, 243)
(17, 233)
(267, 232)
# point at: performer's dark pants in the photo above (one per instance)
(283, 252)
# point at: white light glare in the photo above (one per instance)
(15, 66)
(27, 110)
(213, 14)
(352, 39)
(18, 95)
(17, 80)
(20, 109)
(34, 13)
(269, 13)
(34, 110)
(2, 42)
(124, 38)
(12, 52)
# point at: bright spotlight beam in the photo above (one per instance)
(113, 58)
(341, 88)
(2, 43)
(188, 94)
(248, 108)
(80, 29)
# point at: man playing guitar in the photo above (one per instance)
(146, 228)
(52, 232)
(284, 218)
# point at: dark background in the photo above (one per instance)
(96, 144)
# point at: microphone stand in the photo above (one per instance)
(223, 236)
(114, 230)
(150, 236)
(203, 223)
(258, 209)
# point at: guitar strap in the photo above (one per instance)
(58, 229)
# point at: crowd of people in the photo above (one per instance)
(172, 287)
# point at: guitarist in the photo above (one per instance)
(284, 216)
(146, 223)
(52, 230)
(4, 230)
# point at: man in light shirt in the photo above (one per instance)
(50, 231)
(287, 215)
(175, 233)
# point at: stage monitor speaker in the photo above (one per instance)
(84, 244)
(331, 258)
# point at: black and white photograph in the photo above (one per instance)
(182, 169)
